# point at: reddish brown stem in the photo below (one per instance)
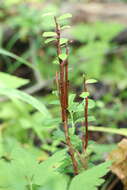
(66, 78)
(86, 123)
(85, 137)
(63, 92)
(57, 83)
(71, 150)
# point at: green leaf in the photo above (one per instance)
(65, 16)
(84, 94)
(48, 168)
(20, 59)
(56, 62)
(59, 135)
(91, 178)
(49, 40)
(89, 81)
(63, 56)
(9, 179)
(80, 106)
(63, 41)
(90, 118)
(71, 99)
(91, 103)
(10, 81)
(25, 170)
(14, 93)
(49, 34)
(65, 27)
(57, 182)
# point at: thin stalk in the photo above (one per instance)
(63, 93)
(86, 123)
(85, 137)
(66, 78)
(71, 150)
(31, 186)
(83, 161)
(57, 83)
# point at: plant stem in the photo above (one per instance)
(31, 186)
(86, 123)
(63, 93)
(85, 137)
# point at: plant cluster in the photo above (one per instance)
(44, 142)
(23, 169)
(62, 82)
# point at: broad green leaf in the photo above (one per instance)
(63, 41)
(9, 178)
(63, 56)
(91, 178)
(89, 81)
(49, 34)
(48, 168)
(14, 93)
(25, 170)
(10, 81)
(84, 94)
(49, 40)
(57, 182)
(20, 59)
(65, 16)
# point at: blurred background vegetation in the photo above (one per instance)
(97, 48)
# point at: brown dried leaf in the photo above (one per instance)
(119, 158)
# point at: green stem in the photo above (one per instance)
(30, 186)
(109, 130)
(72, 119)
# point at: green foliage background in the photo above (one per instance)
(29, 112)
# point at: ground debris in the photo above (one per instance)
(119, 166)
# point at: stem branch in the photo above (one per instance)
(63, 93)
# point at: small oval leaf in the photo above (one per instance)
(84, 94)
(56, 62)
(90, 81)
(49, 34)
(65, 27)
(63, 41)
(49, 40)
(65, 16)
(63, 56)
